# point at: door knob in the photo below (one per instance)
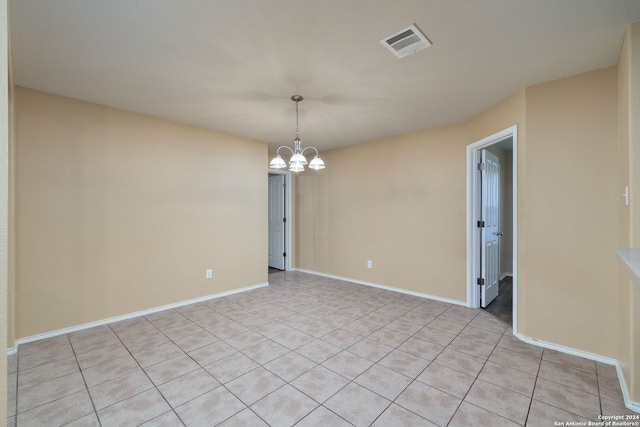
(499, 233)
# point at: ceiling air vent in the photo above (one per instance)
(406, 41)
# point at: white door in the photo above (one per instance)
(276, 222)
(490, 232)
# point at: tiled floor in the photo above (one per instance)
(305, 351)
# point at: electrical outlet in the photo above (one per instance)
(209, 273)
(369, 263)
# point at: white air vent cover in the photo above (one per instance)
(406, 41)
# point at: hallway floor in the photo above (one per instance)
(502, 306)
(306, 351)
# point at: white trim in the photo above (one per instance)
(388, 288)
(130, 316)
(473, 152)
(288, 213)
(12, 350)
(569, 350)
(634, 406)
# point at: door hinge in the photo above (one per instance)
(480, 166)
(284, 219)
(480, 281)
(284, 254)
(480, 224)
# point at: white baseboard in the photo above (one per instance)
(388, 288)
(503, 275)
(128, 316)
(634, 406)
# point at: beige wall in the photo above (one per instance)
(401, 202)
(119, 212)
(398, 202)
(570, 217)
(629, 216)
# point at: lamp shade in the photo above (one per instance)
(295, 167)
(298, 158)
(316, 163)
(277, 162)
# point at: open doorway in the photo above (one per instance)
(280, 220)
(492, 225)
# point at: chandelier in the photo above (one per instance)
(297, 161)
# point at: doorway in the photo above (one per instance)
(480, 237)
(280, 220)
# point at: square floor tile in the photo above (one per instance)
(321, 416)
(404, 363)
(290, 366)
(46, 372)
(210, 409)
(435, 336)
(194, 341)
(569, 360)
(570, 377)
(293, 339)
(52, 350)
(341, 338)
(318, 350)
(168, 419)
(136, 410)
(461, 362)
(515, 360)
(544, 415)
(575, 401)
(320, 383)
(420, 348)
(499, 400)
(155, 354)
(175, 367)
(357, 405)
(472, 347)
(254, 385)
(347, 364)
(31, 397)
(509, 378)
(231, 367)
(471, 415)
(58, 412)
(447, 380)
(383, 381)
(245, 418)
(284, 407)
(211, 353)
(388, 337)
(244, 340)
(187, 387)
(370, 350)
(397, 416)
(509, 342)
(102, 355)
(428, 402)
(120, 388)
(265, 351)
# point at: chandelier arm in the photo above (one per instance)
(309, 148)
(284, 146)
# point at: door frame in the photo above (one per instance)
(288, 213)
(473, 215)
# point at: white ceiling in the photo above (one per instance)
(232, 65)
